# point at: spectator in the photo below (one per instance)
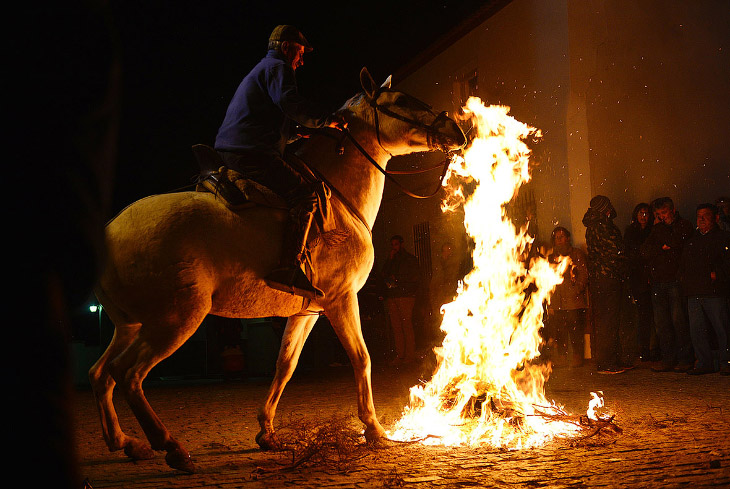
(705, 275)
(655, 209)
(723, 206)
(402, 276)
(663, 250)
(567, 308)
(642, 220)
(607, 272)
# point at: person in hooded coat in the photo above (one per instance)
(607, 273)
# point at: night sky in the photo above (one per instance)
(182, 61)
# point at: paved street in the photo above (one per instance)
(675, 434)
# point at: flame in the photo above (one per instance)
(595, 403)
(486, 388)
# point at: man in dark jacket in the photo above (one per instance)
(663, 250)
(705, 276)
(606, 272)
(401, 274)
(253, 137)
(642, 220)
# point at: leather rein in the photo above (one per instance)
(430, 129)
(444, 165)
(430, 132)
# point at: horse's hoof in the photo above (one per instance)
(179, 458)
(268, 441)
(374, 434)
(138, 450)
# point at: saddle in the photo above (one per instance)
(238, 192)
(230, 186)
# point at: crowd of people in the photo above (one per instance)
(656, 295)
(672, 275)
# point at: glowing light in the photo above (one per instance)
(595, 403)
(487, 387)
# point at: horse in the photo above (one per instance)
(175, 258)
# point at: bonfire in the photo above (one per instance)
(488, 387)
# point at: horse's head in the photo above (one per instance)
(402, 123)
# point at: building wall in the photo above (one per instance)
(519, 56)
(653, 78)
(631, 98)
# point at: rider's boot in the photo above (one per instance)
(288, 276)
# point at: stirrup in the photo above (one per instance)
(293, 281)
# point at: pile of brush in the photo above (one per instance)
(335, 444)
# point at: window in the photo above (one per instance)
(422, 247)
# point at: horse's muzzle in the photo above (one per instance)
(444, 134)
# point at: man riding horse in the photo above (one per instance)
(253, 137)
(175, 258)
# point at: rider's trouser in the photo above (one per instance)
(269, 170)
(277, 175)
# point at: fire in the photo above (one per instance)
(486, 389)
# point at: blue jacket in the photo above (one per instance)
(260, 114)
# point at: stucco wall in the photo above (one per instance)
(520, 59)
(631, 96)
(654, 79)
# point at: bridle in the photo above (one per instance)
(431, 129)
(432, 138)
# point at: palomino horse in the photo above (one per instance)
(175, 258)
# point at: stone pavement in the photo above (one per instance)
(675, 434)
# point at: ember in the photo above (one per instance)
(488, 387)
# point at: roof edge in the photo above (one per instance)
(448, 39)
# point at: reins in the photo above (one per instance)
(430, 129)
(317, 175)
(388, 174)
(430, 132)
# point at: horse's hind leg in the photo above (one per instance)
(151, 346)
(344, 315)
(295, 334)
(102, 385)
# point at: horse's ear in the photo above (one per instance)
(386, 83)
(367, 82)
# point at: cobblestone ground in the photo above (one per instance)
(675, 434)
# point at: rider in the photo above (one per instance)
(253, 137)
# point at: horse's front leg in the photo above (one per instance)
(344, 314)
(295, 334)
